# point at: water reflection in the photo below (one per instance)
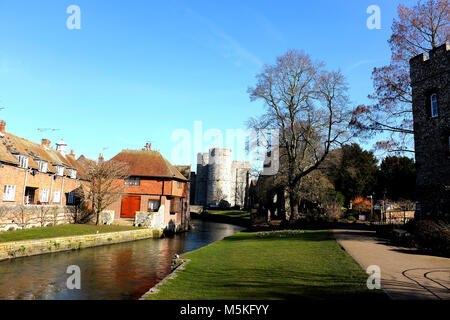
(121, 271)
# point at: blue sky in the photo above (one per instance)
(138, 70)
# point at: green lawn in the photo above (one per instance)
(270, 265)
(58, 231)
(231, 213)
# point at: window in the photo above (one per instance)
(23, 161)
(70, 197)
(174, 205)
(9, 192)
(60, 170)
(133, 181)
(178, 184)
(44, 195)
(43, 166)
(57, 196)
(153, 205)
(73, 173)
(434, 106)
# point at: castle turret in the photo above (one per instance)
(219, 176)
(430, 82)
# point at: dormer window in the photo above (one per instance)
(434, 105)
(43, 166)
(23, 161)
(60, 170)
(73, 173)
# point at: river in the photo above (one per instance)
(115, 272)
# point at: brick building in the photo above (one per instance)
(430, 82)
(153, 185)
(32, 173)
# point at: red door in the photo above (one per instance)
(130, 204)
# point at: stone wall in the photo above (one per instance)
(218, 177)
(10, 250)
(150, 219)
(431, 75)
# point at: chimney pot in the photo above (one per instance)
(45, 143)
(2, 126)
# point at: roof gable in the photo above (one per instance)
(148, 163)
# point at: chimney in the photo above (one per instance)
(72, 153)
(61, 147)
(2, 126)
(100, 158)
(45, 143)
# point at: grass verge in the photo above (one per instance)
(231, 213)
(270, 265)
(59, 231)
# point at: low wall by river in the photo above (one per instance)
(15, 249)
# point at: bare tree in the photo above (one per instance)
(220, 197)
(309, 107)
(416, 30)
(106, 183)
(22, 216)
(42, 214)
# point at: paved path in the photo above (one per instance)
(405, 274)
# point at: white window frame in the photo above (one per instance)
(57, 196)
(133, 181)
(23, 161)
(153, 205)
(60, 170)
(44, 195)
(9, 192)
(434, 106)
(43, 166)
(73, 173)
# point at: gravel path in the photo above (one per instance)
(405, 274)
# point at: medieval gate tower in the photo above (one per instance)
(430, 82)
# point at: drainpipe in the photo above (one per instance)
(51, 190)
(24, 186)
(62, 191)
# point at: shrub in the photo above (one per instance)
(351, 219)
(431, 236)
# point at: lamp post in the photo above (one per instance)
(371, 205)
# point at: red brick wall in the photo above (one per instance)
(16, 176)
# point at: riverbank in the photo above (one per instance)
(269, 265)
(59, 231)
(238, 218)
(90, 237)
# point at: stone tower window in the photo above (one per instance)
(434, 106)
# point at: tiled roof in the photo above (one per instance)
(11, 144)
(148, 163)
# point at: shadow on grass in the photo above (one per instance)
(270, 284)
(322, 235)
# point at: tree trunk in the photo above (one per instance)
(98, 219)
(294, 207)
